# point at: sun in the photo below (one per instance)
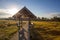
(12, 11)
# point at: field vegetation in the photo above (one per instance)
(44, 30)
(7, 29)
(40, 30)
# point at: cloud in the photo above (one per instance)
(4, 14)
(58, 14)
(55, 14)
(50, 14)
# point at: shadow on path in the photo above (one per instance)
(35, 35)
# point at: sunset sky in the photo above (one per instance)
(41, 8)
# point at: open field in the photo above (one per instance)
(46, 30)
(41, 30)
(7, 29)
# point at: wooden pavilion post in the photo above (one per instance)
(29, 28)
(19, 25)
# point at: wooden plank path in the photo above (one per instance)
(14, 37)
(26, 34)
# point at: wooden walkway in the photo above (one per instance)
(26, 34)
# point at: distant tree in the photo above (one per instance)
(43, 19)
(55, 18)
(38, 19)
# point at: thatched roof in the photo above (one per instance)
(24, 12)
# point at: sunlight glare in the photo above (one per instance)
(12, 11)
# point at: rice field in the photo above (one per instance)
(41, 30)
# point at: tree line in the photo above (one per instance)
(55, 18)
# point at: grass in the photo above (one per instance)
(46, 30)
(7, 29)
(41, 30)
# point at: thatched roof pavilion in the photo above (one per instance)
(24, 12)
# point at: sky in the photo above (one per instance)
(40, 8)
